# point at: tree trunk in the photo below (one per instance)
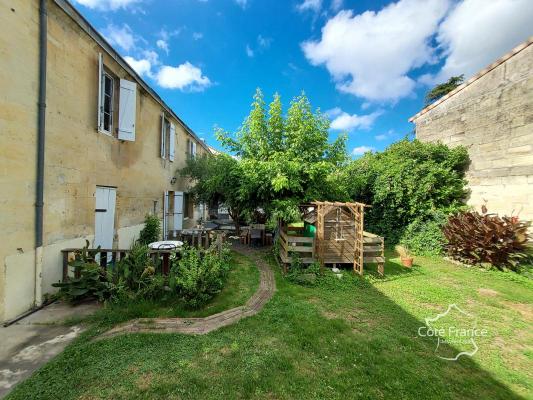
(234, 214)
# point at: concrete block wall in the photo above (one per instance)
(492, 116)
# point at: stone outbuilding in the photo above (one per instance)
(492, 116)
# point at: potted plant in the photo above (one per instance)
(405, 255)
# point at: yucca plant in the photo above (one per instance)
(475, 238)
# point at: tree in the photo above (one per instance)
(286, 160)
(443, 89)
(410, 180)
(217, 179)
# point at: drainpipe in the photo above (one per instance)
(41, 123)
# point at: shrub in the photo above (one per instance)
(409, 180)
(424, 237)
(475, 238)
(303, 275)
(135, 275)
(151, 231)
(90, 280)
(199, 275)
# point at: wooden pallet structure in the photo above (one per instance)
(333, 233)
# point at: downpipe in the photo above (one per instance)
(41, 125)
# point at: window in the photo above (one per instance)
(168, 138)
(106, 102)
(109, 100)
(165, 137)
(188, 206)
(191, 148)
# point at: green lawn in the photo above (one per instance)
(348, 338)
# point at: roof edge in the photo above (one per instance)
(86, 26)
(474, 78)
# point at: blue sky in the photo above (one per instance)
(367, 63)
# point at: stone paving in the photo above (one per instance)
(199, 326)
(33, 341)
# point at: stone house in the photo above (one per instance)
(87, 149)
(492, 116)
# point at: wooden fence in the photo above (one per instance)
(111, 256)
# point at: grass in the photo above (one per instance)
(348, 338)
(242, 282)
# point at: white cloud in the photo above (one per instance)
(242, 3)
(143, 67)
(183, 77)
(333, 112)
(163, 45)
(343, 121)
(478, 32)
(336, 5)
(105, 5)
(120, 36)
(384, 136)
(249, 51)
(263, 42)
(197, 35)
(310, 5)
(151, 56)
(370, 54)
(359, 151)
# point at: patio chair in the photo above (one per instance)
(256, 236)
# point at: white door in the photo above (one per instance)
(104, 225)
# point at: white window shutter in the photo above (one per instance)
(165, 214)
(194, 149)
(100, 105)
(127, 108)
(172, 144)
(178, 211)
(163, 137)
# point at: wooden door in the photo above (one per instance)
(104, 225)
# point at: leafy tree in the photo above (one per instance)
(443, 89)
(286, 160)
(218, 179)
(408, 181)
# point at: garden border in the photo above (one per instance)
(200, 326)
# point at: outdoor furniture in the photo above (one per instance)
(166, 245)
(245, 235)
(257, 234)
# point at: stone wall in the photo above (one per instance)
(492, 116)
(77, 156)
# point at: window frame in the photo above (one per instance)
(188, 211)
(112, 96)
(166, 138)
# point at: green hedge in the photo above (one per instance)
(409, 181)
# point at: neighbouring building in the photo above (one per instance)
(111, 149)
(492, 116)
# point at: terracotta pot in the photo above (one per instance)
(407, 262)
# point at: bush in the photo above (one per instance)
(92, 283)
(199, 275)
(409, 180)
(135, 275)
(151, 231)
(424, 237)
(475, 238)
(301, 275)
